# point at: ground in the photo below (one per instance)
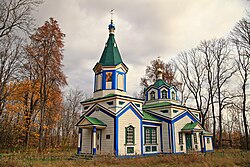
(59, 157)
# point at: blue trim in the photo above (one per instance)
(134, 109)
(94, 151)
(116, 136)
(179, 153)
(169, 137)
(125, 109)
(173, 138)
(186, 113)
(159, 94)
(161, 138)
(103, 80)
(141, 136)
(94, 131)
(146, 93)
(168, 93)
(102, 110)
(160, 117)
(125, 82)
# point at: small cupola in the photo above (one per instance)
(111, 27)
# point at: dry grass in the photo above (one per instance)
(60, 158)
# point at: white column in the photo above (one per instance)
(79, 148)
(94, 140)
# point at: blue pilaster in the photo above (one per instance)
(103, 80)
(114, 80)
(94, 140)
(159, 94)
(125, 83)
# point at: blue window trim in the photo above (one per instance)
(158, 125)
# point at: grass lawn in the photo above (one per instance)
(229, 157)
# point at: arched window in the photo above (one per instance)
(164, 94)
(130, 135)
(152, 95)
(173, 95)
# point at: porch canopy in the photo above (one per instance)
(192, 127)
(90, 122)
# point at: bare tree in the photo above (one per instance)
(16, 15)
(10, 58)
(70, 115)
(190, 66)
(224, 70)
(240, 37)
(206, 48)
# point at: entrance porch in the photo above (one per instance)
(94, 128)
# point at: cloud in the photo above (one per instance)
(145, 30)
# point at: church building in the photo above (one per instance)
(114, 123)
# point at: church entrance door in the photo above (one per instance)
(188, 142)
(98, 141)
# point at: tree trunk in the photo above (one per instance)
(244, 114)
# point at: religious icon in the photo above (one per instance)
(108, 76)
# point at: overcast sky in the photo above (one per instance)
(145, 29)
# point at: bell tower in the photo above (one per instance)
(110, 71)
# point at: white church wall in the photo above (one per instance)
(86, 140)
(107, 145)
(165, 137)
(177, 128)
(98, 82)
(127, 119)
(208, 144)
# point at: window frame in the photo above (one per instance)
(195, 138)
(173, 95)
(152, 140)
(180, 138)
(152, 95)
(126, 135)
(163, 93)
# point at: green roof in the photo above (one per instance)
(190, 126)
(149, 117)
(111, 55)
(156, 105)
(159, 83)
(95, 121)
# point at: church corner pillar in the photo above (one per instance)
(94, 140)
(79, 148)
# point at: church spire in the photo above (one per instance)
(111, 55)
